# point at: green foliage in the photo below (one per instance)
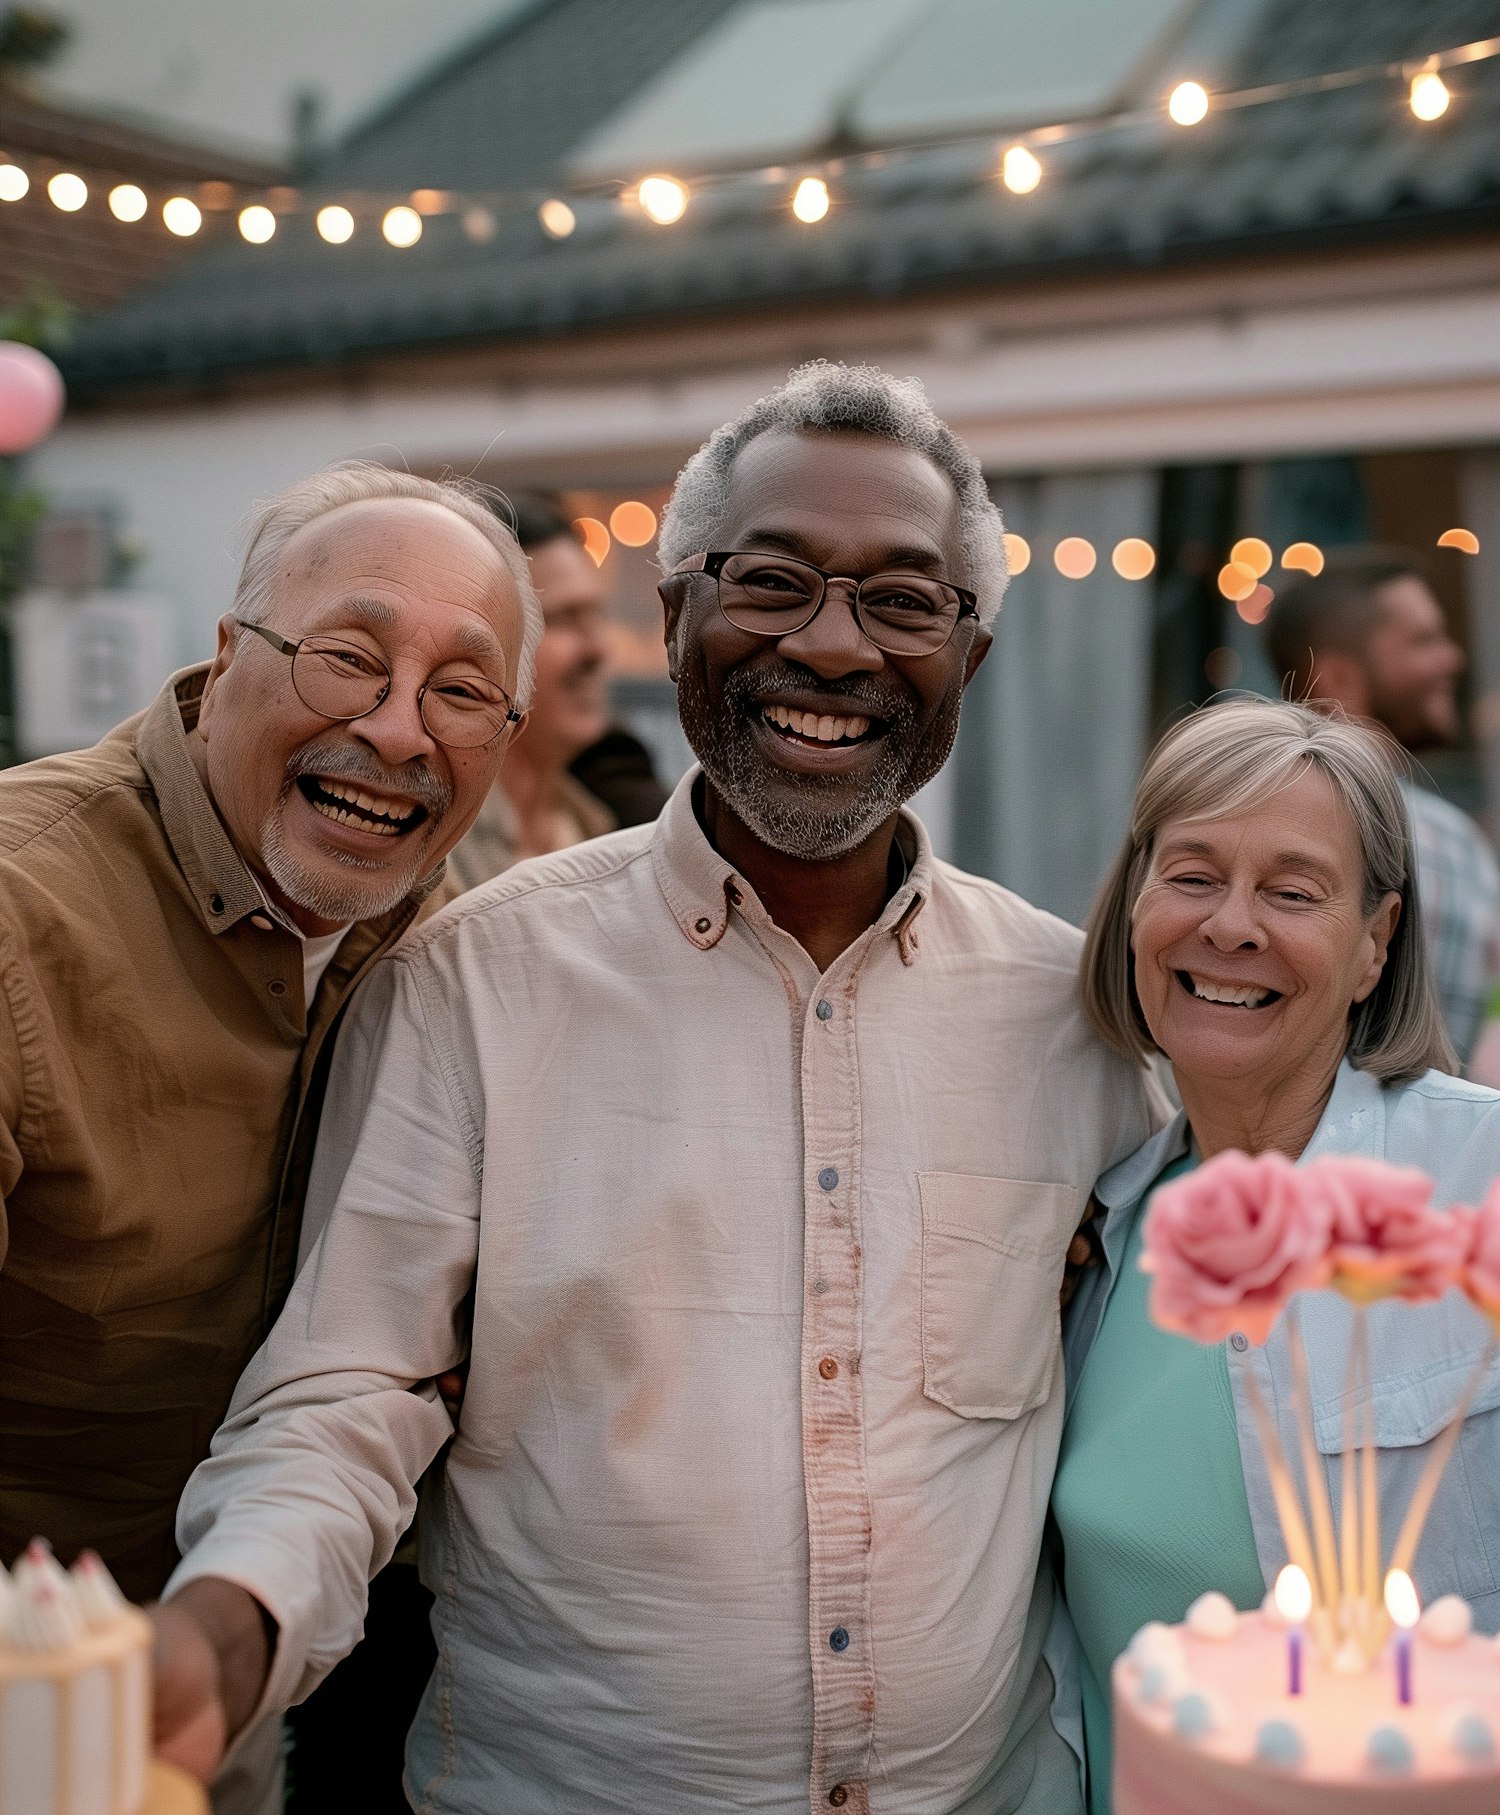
(29, 38)
(21, 509)
(41, 319)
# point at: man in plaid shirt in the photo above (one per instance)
(1367, 634)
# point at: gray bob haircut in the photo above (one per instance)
(819, 397)
(273, 524)
(1239, 754)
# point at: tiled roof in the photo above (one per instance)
(1347, 164)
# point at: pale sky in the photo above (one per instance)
(224, 70)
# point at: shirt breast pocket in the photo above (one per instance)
(992, 1265)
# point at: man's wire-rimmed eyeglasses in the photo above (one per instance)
(343, 682)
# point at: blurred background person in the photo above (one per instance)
(1367, 634)
(572, 775)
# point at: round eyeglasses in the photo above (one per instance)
(775, 595)
(342, 681)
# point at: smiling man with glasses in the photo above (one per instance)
(740, 1155)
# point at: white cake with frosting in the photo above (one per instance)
(75, 1695)
(1204, 1721)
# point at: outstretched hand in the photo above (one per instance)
(189, 1727)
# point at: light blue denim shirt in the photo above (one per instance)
(1420, 1355)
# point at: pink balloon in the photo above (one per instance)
(31, 396)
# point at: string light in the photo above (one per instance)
(335, 224)
(1429, 96)
(594, 536)
(67, 191)
(479, 225)
(127, 202)
(1464, 540)
(1074, 558)
(1251, 552)
(181, 216)
(402, 226)
(1133, 558)
(1236, 581)
(1020, 170)
(257, 224)
(1303, 557)
(557, 218)
(632, 523)
(1187, 104)
(1254, 606)
(1017, 553)
(14, 182)
(810, 203)
(431, 201)
(662, 198)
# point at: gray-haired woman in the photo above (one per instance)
(1260, 928)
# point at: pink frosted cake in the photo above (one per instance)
(1204, 1724)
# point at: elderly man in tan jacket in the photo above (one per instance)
(184, 911)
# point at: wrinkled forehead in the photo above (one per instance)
(843, 496)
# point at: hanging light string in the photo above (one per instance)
(810, 194)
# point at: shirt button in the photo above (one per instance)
(828, 1178)
(703, 926)
(838, 1796)
(828, 1367)
(824, 1010)
(276, 987)
(1239, 1342)
(839, 1639)
(820, 1286)
(263, 921)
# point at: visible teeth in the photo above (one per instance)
(822, 728)
(345, 818)
(366, 803)
(1243, 997)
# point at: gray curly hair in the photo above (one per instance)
(827, 397)
(275, 521)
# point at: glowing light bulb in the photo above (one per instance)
(181, 216)
(402, 226)
(1133, 558)
(632, 523)
(810, 203)
(663, 199)
(14, 182)
(1236, 581)
(1020, 170)
(1429, 95)
(1303, 557)
(67, 191)
(1251, 552)
(335, 224)
(1464, 540)
(127, 202)
(1017, 553)
(594, 536)
(1074, 558)
(1188, 104)
(557, 218)
(257, 224)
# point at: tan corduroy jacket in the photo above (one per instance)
(160, 1081)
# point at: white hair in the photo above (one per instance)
(273, 524)
(821, 397)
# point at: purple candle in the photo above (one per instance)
(1293, 1597)
(1405, 1610)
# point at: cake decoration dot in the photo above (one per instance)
(1212, 1616)
(1278, 1742)
(1161, 1682)
(1470, 1735)
(1193, 1716)
(1389, 1750)
(1448, 1621)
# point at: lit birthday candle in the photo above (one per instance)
(1405, 1610)
(1293, 1603)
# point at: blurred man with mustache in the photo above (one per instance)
(184, 911)
(741, 1153)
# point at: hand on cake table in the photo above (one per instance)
(212, 1655)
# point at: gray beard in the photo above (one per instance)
(822, 820)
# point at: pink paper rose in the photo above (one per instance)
(1480, 1276)
(1229, 1244)
(1388, 1240)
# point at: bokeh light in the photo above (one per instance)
(632, 523)
(810, 203)
(402, 226)
(595, 538)
(478, 225)
(1188, 103)
(257, 224)
(14, 183)
(1462, 539)
(335, 224)
(1254, 606)
(1017, 553)
(663, 199)
(1074, 558)
(1236, 581)
(127, 202)
(1020, 170)
(1222, 667)
(557, 218)
(67, 191)
(181, 216)
(1251, 552)
(1429, 95)
(431, 201)
(1303, 557)
(1133, 559)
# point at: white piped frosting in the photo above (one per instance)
(1157, 1643)
(98, 1596)
(1212, 1616)
(44, 1613)
(1448, 1621)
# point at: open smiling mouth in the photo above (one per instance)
(348, 805)
(821, 730)
(1227, 995)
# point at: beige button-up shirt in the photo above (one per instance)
(762, 1268)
